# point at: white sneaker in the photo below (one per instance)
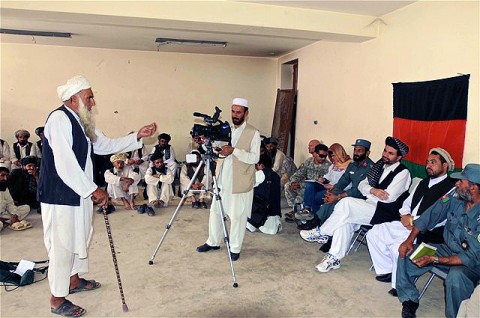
(251, 228)
(314, 236)
(329, 262)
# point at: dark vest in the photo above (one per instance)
(430, 195)
(51, 188)
(17, 150)
(39, 145)
(165, 152)
(140, 153)
(387, 212)
(191, 171)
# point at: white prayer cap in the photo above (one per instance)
(240, 102)
(73, 86)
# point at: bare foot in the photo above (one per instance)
(126, 204)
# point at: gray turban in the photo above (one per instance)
(73, 86)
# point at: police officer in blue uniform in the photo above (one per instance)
(459, 255)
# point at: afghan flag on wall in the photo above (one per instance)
(428, 115)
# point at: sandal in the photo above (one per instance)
(67, 309)
(83, 286)
(20, 226)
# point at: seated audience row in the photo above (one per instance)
(10, 156)
(441, 210)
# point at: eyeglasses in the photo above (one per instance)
(322, 156)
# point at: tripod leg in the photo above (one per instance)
(225, 231)
(167, 227)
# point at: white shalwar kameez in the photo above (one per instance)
(384, 239)
(115, 186)
(350, 213)
(68, 229)
(237, 206)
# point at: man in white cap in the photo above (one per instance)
(236, 179)
(122, 181)
(384, 239)
(66, 189)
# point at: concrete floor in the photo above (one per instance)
(276, 274)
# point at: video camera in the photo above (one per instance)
(220, 132)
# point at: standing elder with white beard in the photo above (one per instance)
(66, 189)
(236, 178)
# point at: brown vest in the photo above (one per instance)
(243, 173)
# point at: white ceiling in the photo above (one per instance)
(251, 28)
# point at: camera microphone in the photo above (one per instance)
(196, 114)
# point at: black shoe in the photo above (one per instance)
(409, 308)
(235, 256)
(393, 292)
(203, 205)
(308, 225)
(385, 278)
(205, 248)
(142, 209)
(195, 205)
(290, 217)
(326, 247)
(150, 211)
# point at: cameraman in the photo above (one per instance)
(158, 179)
(236, 178)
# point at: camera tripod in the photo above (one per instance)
(207, 161)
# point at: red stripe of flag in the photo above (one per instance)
(421, 136)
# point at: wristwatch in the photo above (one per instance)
(435, 260)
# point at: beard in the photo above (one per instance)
(87, 120)
(22, 142)
(3, 186)
(238, 121)
(358, 158)
(465, 196)
(388, 161)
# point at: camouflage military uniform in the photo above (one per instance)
(307, 171)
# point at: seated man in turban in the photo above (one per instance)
(122, 181)
(158, 179)
(23, 148)
(23, 182)
(9, 212)
(167, 151)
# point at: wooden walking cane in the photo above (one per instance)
(114, 257)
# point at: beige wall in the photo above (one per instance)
(133, 88)
(347, 87)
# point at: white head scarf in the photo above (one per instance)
(73, 86)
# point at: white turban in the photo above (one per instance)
(240, 102)
(73, 86)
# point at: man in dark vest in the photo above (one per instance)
(384, 239)
(385, 188)
(39, 133)
(167, 151)
(23, 148)
(66, 189)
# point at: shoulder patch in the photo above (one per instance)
(478, 237)
(445, 198)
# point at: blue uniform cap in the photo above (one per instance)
(363, 142)
(471, 172)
